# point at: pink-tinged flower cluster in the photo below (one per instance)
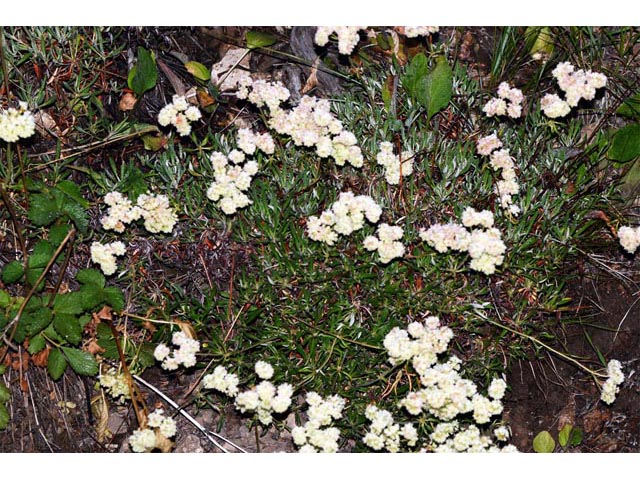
(576, 85)
(180, 114)
(508, 102)
(500, 160)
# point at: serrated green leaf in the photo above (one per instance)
(36, 344)
(83, 363)
(72, 190)
(544, 443)
(91, 296)
(4, 417)
(114, 297)
(51, 333)
(564, 435)
(198, 70)
(91, 276)
(57, 364)
(42, 211)
(5, 393)
(37, 320)
(42, 253)
(625, 145)
(68, 327)
(259, 39)
(32, 277)
(68, 303)
(5, 299)
(630, 108)
(57, 233)
(144, 75)
(77, 214)
(12, 272)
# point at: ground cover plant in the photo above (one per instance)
(317, 239)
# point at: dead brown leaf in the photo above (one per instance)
(41, 358)
(127, 102)
(312, 81)
(100, 409)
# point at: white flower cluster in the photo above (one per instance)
(348, 37)
(185, 355)
(629, 238)
(611, 386)
(508, 102)
(500, 159)
(412, 32)
(444, 393)
(222, 381)
(231, 181)
(309, 124)
(16, 123)
(313, 437)
(345, 216)
(393, 167)
(105, 255)
(155, 209)
(145, 440)
(179, 114)
(451, 438)
(576, 85)
(387, 243)
(115, 384)
(265, 399)
(484, 246)
(384, 433)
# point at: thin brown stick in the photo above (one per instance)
(14, 220)
(61, 275)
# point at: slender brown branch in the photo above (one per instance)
(14, 220)
(61, 275)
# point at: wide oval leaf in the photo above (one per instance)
(83, 363)
(625, 145)
(57, 364)
(544, 443)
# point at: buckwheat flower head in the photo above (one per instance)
(264, 370)
(348, 37)
(142, 440)
(412, 32)
(115, 384)
(501, 433)
(388, 244)
(105, 255)
(157, 213)
(445, 237)
(508, 102)
(553, 106)
(222, 381)
(179, 114)
(488, 144)
(16, 123)
(610, 388)
(392, 163)
(495, 107)
(497, 388)
(629, 238)
(472, 218)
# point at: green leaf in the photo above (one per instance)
(575, 438)
(42, 253)
(144, 75)
(51, 334)
(90, 296)
(114, 297)
(36, 344)
(544, 443)
(432, 90)
(564, 434)
(68, 327)
(32, 277)
(57, 233)
(414, 74)
(91, 276)
(77, 214)
(56, 364)
(42, 211)
(3, 368)
(539, 41)
(631, 179)
(12, 272)
(259, 39)
(5, 393)
(83, 363)
(4, 417)
(198, 70)
(72, 190)
(68, 303)
(5, 299)
(630, 108)
(37, 320)
(625, 145)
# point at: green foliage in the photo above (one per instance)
(5, 394)
(431, 89)
(256, 39)
(56, 364)
(544, 443)
(625, 145)
(4, 417)
(63, 200)
(198, 70)
(83, 363)
(144, 74)
(12, 272)
(630, 107)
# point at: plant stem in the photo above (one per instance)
(14, 220)
(3, 63)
